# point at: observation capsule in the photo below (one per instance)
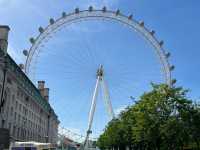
(172, 67)
(141, 23)
(32, 40)
(152, 32)
(41, 30)
(51, 21)
(21, 66)
(90, 8)
(173, 81)
(104, 9)
(161, 43)
(167, 54)
(130, 17)
(117, 12)
(64, 14)
(25, 52)
(77, 10)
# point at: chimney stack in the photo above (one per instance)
(46, 94)
(41, 85)
(4, 30)
(43, 91)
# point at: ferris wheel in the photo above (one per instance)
(91, 14)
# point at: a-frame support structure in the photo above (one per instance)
(100, 83)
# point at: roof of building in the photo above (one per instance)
(27, 84)
(5, 26)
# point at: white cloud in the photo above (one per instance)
(119, 110)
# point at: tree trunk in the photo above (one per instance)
(198, 145)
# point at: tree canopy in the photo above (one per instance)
(161, 119)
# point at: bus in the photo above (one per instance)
(31, 146)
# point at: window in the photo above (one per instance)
(5, 97)
(9, 126)
(14, 128)
(2, 123)
(0, 89)
(13, 98)
(18, 132)
(16, 105)
(19, 118)
(11, 111)
(15, 116)
(20, 107)
(18, 92)
(21, 94)
(25, 133)
(23, 110)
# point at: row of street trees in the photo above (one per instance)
(162, 119)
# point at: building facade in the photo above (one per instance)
(25, 108)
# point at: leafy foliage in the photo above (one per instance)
(162, 119)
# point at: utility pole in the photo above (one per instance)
(3, 57)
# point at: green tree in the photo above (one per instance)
(162, 119)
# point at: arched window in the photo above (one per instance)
(11, 111)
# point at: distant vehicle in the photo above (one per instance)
(31, 146)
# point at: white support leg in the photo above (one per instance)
(107, 99)
(100, 81)
(92, 110)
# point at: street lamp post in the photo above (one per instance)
(3, 49)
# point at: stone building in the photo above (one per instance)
(25, 108)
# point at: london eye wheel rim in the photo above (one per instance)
(103, 14)
(78, 16)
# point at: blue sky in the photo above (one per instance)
(175, 21)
